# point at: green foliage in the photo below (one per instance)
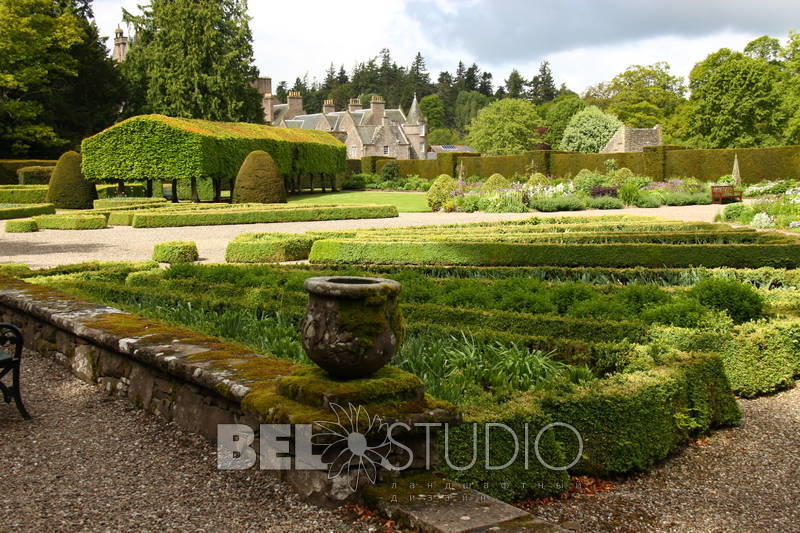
(25, 210)
(738, 212)
(495, 182)
(432, 108)
(468, 105)
(68, 188)
(559, 203)
(23, 194)
(128, 202)
(258, 181)
(440, 191)
(34, 175)
(267, 248)
(221, 60)
(21, 226)
(589, 130)
(254, 215)
(558, 116)
(440, 136)
(684, 313)
(762, 358)
(9, 168)
(500, 202)
(71, 221)
(649, 200)
(740, 300)
(36, 37)
(175, 252)
(506, 127)
(605, 202)
(645, 95)
(390, 171)
(155, 147)
(356, 182)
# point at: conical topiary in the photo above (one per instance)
(68, 188)
(258, 181)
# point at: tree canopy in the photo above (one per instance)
(589, 131)
(506, 127)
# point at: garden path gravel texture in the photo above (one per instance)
(88, 462)
(48, 248)
(738, 480)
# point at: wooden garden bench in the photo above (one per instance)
(720, 193)
(10, 361)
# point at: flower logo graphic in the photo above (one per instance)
(348, 435)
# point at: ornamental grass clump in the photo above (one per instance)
(259, 181)
(176, 252)
(68, 188)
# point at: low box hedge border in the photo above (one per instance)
(257, 216)
(71, 222)
(176, 252)
(268, 248)
(506, 254)
(128, 201)
(25, 210)
(21, 226)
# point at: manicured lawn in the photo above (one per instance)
(406, 202)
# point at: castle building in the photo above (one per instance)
(366, 132)
(627, 139)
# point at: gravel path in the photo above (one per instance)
(738, 480)
(48, 248)
(88, 462)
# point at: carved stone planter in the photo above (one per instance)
(353, 325)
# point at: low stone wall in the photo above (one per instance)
(199, 382)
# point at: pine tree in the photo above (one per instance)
(542, 86)
(515, 85)
(198, 59)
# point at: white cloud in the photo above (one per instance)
(292, 38)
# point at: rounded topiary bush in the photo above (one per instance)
(537, 179)
(440, 191)
(21, 226)
(68, 188)
(175, 252)
(495, 182)
(742, 302)
(258, 181)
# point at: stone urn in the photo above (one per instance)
(353, 325)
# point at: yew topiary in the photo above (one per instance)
(259, 181)
(68, 188)
(440, 191)
(495, 182)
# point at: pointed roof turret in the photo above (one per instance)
(414, 113)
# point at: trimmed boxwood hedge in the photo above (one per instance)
(127, 201)
(508, 254)
(176, 252)
(268, 248)
(233, 215)
(71, 221)
(9, 167)
(25, 210)
(21, 226)
(36, 175)
(23, 194)
(628, 423)
(156, 147)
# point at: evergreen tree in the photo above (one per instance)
(468, 104)
(515, 85)
(432, 108)
(542, 86)
(198, 59)
(485, 87)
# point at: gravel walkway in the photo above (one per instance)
(48, 248)
(88, 462)
(738, 480)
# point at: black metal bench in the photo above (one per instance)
(10, 361)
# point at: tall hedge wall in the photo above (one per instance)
(755, 164)
(507, 165)
(150, 147)
(424, 168)
(9, 167)
(570, 163)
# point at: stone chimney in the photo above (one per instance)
(354, 105)
(262, 85)
(295, 101)
(268, 104)
(328, 107)
(120, 46)
(378, 107)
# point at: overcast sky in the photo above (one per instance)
(586, 41)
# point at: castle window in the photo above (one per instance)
(385, 150)
(421, 147)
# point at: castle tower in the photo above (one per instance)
(415, 129)
(120, 46)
